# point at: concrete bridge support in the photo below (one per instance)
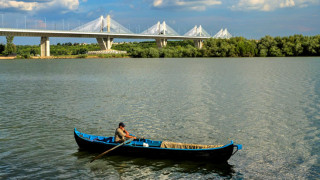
(105, 43)
(198, 43)
(45, 46)
(161, 43)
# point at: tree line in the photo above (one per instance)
(57, 50)
(9, 48)
(296, 45)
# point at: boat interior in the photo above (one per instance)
(148, 143)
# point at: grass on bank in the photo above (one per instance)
(80, 56)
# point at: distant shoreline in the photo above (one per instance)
(126, 57)
(64, 57)
(292, 46)
(7, 57)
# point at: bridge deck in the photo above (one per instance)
(58, 33)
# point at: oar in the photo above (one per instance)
(138, 137)
(102, 154)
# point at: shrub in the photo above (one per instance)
(23, 56)
(2, 48)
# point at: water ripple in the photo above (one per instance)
(271, 106)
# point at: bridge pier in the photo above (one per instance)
(45, 46)
(105, 43)
(198, 43)
(161, 43)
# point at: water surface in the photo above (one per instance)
(270, 105)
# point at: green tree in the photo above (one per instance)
(317, 40)
(10, 47)
(263, 52)
(232, 51)
(2, 48)
(169, 53)
(81, 50)
(34, 51)
(265, 45)
(246, 48)
(275, 51)
(310, 45)
(298, 49)
(152, 53)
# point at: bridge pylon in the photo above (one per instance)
(108, 23)
(161, 42)
(198, 43)
(197, 32)
(45, 46)
(105, 43)
(223, 34)
(162, 28)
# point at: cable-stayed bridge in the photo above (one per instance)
(106, 29)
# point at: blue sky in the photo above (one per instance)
(252, 19)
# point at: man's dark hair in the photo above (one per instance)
(121, 124)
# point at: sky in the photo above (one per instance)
(251, 19)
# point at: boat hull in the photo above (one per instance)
(215, 155)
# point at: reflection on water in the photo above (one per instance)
(270, 105)
(131, 167)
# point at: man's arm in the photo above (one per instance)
(128, 135)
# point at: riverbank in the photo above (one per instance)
(81, 56)
(7, 57)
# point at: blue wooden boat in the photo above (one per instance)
(158, 149)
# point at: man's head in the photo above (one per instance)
(121, 125)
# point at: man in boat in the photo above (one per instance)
(121, 134)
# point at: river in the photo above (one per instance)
(269, 105)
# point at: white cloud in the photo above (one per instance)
(198, 5)
(20, 5)
(270, 5)
(157, 3)
(35, 5)
(287, 3)
(66, 4)
(241, 5)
